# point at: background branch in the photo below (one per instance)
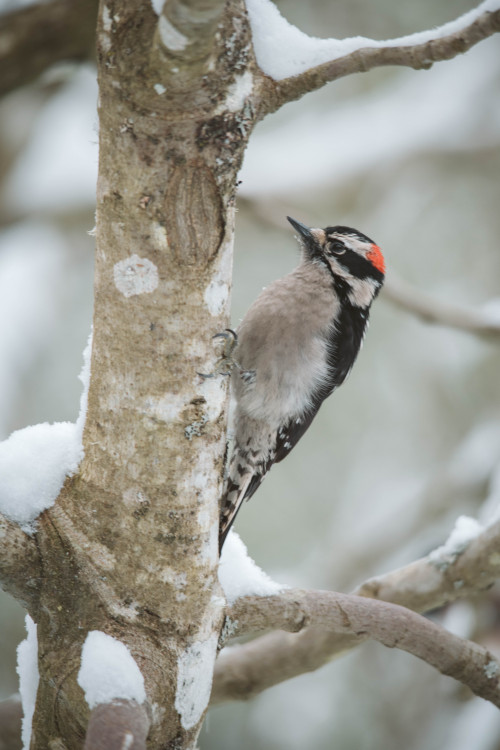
(34, 38)
(432, 310)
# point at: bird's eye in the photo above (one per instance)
(336, 247)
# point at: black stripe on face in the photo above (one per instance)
(358, 266)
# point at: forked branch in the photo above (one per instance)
(423, 585)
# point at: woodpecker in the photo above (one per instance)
(295, 346)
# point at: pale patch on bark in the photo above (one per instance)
(216, 297)
(194, 680)
(172, 37)
(237, 93)
(135, 275)
(168, 408)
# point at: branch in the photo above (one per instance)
(423, 585)
(389, 624)
(34, 38)
(433, 311)
(117, 725)
(20, 566)
(438, 46)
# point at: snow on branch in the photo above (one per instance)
(35, 37)
(361, 618)
(465, 564)
(297, 63)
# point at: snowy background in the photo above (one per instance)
(408, 444)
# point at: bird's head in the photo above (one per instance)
(355, 262)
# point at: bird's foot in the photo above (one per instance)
(225, 363)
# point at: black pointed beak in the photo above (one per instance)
(304, 231)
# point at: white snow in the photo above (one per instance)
(27, 669)
(108, 670)
(239, 575)
(465, 530)
(283, 50)
(35, 461)
(194, 680)
(135, 275)
(159, 88)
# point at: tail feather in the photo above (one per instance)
(242, 481)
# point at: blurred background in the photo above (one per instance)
(409, 443)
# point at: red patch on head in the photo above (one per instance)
(375, 256)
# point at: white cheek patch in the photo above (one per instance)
(362, 291)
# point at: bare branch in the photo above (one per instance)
(19, 563)
(390, 624)
(433, 311)
(118, 725)
(426, 584)
(34, 38)
(415, 56)
(423, 585)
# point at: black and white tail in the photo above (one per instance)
(242, 480)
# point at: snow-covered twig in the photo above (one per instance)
(325, 60)
(422, 585)
(434, 311)
(19, 563)
(35, 37)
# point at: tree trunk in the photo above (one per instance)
(131, 546)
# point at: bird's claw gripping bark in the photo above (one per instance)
(225, 363)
